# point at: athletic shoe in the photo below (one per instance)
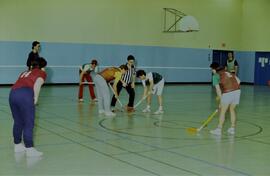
(217, 131)
(146, 110)
(101, 111)
(110, 114)
(32, 152)
(159, 112)
(130, 109)
(231, 131)
(95, 100)
(19, 148)
(80, 100)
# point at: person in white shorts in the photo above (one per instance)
(153, 83)
(228, 93)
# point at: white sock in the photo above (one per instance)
(148, 106)
(160, 108)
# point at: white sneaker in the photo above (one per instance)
(159, 112)
(32, 152)
(231, 131)
(110, 114)
(80, 100)
(217, 131)
(19, 148)
(101, 111)
(146, 110)
(95, 100)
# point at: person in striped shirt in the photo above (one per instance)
(128, 82)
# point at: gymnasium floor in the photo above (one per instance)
(77, 141)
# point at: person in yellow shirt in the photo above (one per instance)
(101, 81)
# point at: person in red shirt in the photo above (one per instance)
(22, 99)
(228, 94)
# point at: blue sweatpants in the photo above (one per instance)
(22, 106)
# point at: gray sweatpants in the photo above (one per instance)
(103, 93)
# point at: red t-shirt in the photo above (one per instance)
(28, 78)
(228, 82)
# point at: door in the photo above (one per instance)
(262, 68)
(221, 56)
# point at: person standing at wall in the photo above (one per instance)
(228, 93)
(231, 64)
(84, 72)
(34, 54)
(128, 82)
(22, 100)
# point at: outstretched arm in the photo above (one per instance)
(39, 82)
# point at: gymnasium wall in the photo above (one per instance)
(255, 25)
(72, 32)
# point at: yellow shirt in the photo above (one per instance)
(117, 76)
(112, 73)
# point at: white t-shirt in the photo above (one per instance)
(148, 77)
(88, 68)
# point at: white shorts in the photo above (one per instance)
(158, 88)
(231, 97)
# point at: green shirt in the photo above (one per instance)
(231, 65)
(215, 79)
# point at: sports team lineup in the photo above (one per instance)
(24, 94)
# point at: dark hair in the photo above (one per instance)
(42, 62)
(35, 43)
(140, 73)
(123, 67)
(216, 66)
(94, 61)
(130, 57)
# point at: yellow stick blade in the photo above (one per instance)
(192, 130)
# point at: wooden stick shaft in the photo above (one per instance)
(208, 120)
(115, 95)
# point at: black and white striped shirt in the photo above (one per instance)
(127, 77)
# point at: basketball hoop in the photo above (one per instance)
(179, 21)
(188, 24)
